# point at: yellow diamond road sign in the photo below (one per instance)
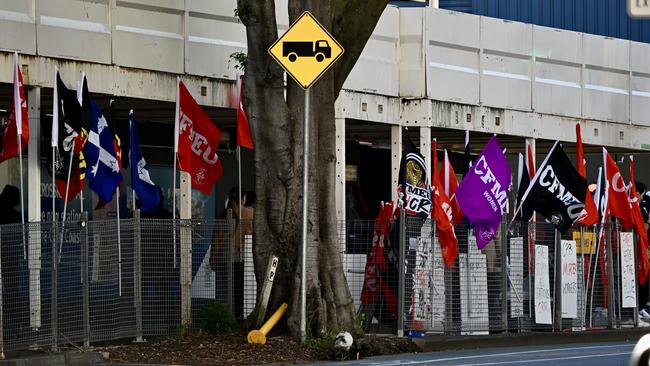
(306, 50)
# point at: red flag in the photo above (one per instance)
(442, 213)
(618, 202)
(642, 264)
(590, 213)
(451, 183)
(18, 124)
(244, 138)
(198, 140)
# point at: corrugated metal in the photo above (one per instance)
(602, 17)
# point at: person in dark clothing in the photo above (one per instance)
(158, 212)
(13, 303)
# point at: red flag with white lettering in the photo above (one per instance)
(198, 140)
(642, 265)
(18, 124)
(442, 213)
(618, 201)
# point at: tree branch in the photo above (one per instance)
(354, 22)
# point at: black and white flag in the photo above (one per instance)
(557, 191)
(414, 189)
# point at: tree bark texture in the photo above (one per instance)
(276, 125)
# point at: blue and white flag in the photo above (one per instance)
(101, 160)
(145, 189)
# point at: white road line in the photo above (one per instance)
(545, 359)
(418, 362)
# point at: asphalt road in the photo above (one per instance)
(591, 354)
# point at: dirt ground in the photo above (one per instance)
(205, 349)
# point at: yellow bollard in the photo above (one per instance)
(259, 336)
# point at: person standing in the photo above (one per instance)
(13, 304)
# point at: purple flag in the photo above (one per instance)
(483, 193)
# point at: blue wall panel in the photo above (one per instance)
(602, 17)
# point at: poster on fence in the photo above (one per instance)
(569, 277)
(422, 304)
(473, 290)
(203, 283)
(628, 279)
(250, 285)
(516, 274)
(438, 288)
(542, 288)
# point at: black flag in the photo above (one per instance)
(557, 190)
(523, 181)
(69, 126)
(414, 190)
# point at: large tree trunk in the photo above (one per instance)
(278, 133)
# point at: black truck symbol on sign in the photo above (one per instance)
(294, 49)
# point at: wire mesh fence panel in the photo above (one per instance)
(370, 262)
(111, 275)
(160, 266)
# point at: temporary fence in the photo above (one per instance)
(103, 281)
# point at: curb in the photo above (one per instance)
(436, 343)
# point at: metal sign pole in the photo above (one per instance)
(303, 250)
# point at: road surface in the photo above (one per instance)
(591, 354)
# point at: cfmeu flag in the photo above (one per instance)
(17, 126)
(196, 143)
(141, 182)
(483, 193)
(104, 175)
(642, 264)
(617, 201)
(414, 191)
(557, 190)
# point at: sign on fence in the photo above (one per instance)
(473, 290)
(516, 273)
(542, 288)
(438, 288)
(628, 279)
(569, 267)
(422, 302)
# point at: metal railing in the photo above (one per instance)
(107, 289)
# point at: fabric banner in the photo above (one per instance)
(557, 191)
(483, 193)
(542, 286)
(18, 123)
(414, 191)
(617, 200)
(198, 140)
(569, 263)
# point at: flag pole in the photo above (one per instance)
(176, 117)
(119, 243)
(65, 199)
(239, 164)
(18, 115)
(80, 99)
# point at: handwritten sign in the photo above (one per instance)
(422, 280)
(438, 288)
(542, 288)
(628, 279)
(516, 270)
(585, 241)
(473, 290)
(569, 277)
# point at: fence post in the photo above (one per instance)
(401, 275)
(505, 272)
(557, 270)
(610, 279)
(137, 274)
(2, 328)
(54, 294)
(84, 278)
(229, 279)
